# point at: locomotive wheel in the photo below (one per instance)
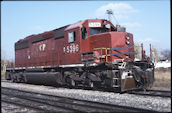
(7, 76)
(20, 78)
(14, 78)
(72, 82)
(91, 84)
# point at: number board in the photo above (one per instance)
(94, 24)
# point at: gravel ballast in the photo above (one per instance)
(11, 108)
(144, 102)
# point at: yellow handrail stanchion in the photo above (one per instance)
(106, 53)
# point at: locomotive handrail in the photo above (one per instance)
(122, 48)
(121, 53)
(113, 49)
(101, 48)
(117, 54)
(87, 53)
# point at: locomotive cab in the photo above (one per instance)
(112, 45)
(98, 35)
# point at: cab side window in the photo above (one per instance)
(84, 33)
(112, 29)
(71, 36)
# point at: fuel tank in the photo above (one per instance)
(46, 78)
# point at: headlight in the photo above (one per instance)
(127, 37)
(127, 42)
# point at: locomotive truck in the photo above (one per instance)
(92, 53)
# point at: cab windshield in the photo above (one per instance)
(94, 31)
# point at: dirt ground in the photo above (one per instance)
(162, 79)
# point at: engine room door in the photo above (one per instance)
(71, 47)
(84, 40)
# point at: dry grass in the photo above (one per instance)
(2, 75)
(162, 79)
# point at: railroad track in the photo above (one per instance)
(6, 99)
(51, 103)
(158, 93)
(155, 93)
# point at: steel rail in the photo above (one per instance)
(29, 104)
(165, 91)
(5, 100)
(74, 104)
(44, 102)
(154, 93)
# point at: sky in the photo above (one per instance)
(148, 21)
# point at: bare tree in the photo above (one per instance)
(166, 54)
(155, 55)
(137, 50)
(3, 54)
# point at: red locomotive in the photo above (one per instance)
(92, 53)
